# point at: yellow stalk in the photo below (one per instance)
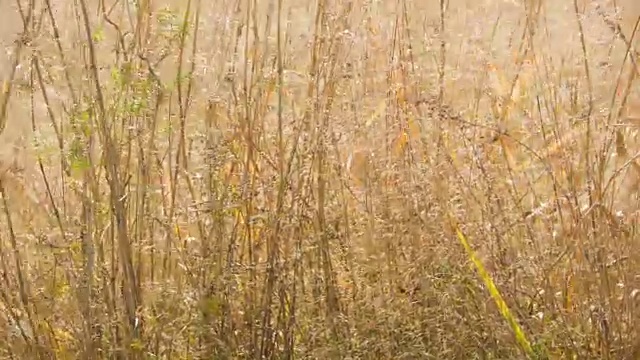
(495, 294)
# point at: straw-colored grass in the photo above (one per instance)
(319, 179)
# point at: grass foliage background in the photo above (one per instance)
(319, 179)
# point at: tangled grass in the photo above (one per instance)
(278, 179)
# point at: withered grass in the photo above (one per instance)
(319, 179)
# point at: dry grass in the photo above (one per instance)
(326, 180)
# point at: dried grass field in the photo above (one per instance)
(280, 179)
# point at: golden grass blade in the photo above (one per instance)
(495, 294)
